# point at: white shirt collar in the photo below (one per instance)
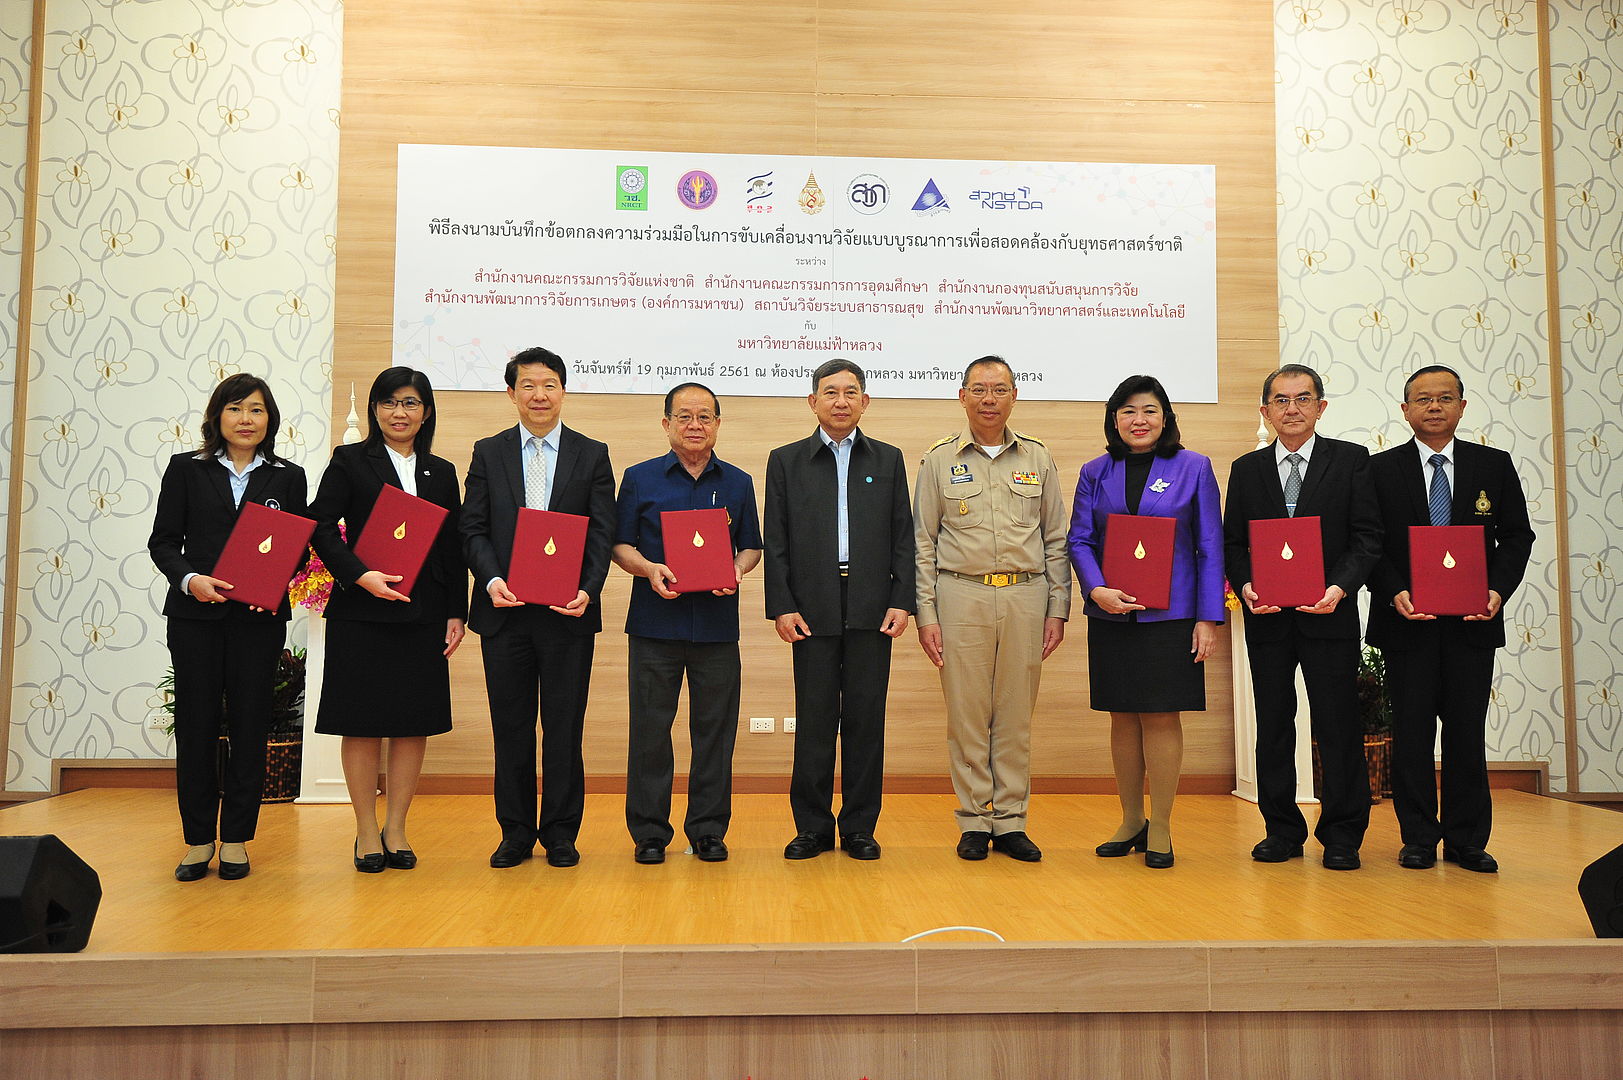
(1426, 451)
(1305, 450)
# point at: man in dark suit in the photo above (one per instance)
(839, 585)
(1441, 667)
(536, 655)
(1304, 474)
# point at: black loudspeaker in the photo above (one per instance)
(48, 896)
(1600, 887)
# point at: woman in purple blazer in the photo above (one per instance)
(1144, 666)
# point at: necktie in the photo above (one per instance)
(1439, 497)
(535, 475)
(1293, 483)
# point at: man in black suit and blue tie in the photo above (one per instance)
(1304, 474)
(1440, 667)
(536, 656)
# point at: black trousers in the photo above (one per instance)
(234, 659)
(1330, 670)
(841, 683)
(655, 669)
(527, 667)
(1439, 676)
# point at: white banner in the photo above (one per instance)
(745, 272)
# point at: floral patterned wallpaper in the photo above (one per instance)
(1411, 232)
(16, 25)
(187, 212)
(1586, 76)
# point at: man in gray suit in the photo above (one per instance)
(839, 586)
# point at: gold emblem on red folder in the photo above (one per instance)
(698, 541)
(1448, 560)
(1286, 553)
(265, 546)
(551, 548)
(1138, 552)
(400, 531)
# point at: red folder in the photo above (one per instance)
(699, 549)
(1287, 561)
(548, 548)
(399, 534)
(1138, 558)
(1448, 569)
(260, 555)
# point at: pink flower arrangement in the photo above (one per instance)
(312, 585)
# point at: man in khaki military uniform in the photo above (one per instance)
(994, 591)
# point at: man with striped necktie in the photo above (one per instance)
(536, 657)
(1304, 474)
(1440, 668)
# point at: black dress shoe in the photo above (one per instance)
(370, 863)
(233, 871)
(808, 846)
(1473, 859)
(1341, 857)
(511, 853)
(404, 859)
(191, 871)
(1158, 860)
(974, 845)
(1017, 845)
(1417, 856)
(562, 853)
(860, 846)
(1115, 849)
(710, 849)
(649, 852)
(1275, 849)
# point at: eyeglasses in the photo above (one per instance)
(410, 404)
(1426, 402)
(1301, 401)
(981, 393)
(683, 419)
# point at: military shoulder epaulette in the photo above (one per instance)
(1028, 438)
(943, 441)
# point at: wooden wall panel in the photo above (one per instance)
(1180, 81)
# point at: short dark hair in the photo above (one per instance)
(384, 386)
(1292, 369)
(536, 355)
(998, 360)
(230, 391)
(679, 387)
(1434, 369)
(1170, 441)
(834, 367)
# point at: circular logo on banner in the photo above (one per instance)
(868, 194)
(632, 181)
(696, 189)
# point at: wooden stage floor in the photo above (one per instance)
(304, 894)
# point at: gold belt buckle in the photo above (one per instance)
(997, 581)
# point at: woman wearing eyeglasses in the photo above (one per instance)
(387, 674)
(1144, 666)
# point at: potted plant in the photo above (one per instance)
(1375, 710)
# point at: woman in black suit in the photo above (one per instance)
(220, 650)
(374, 633)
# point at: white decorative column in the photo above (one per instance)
(1245, 711)
(321, 776)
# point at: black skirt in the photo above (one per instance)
(385, 680)
(1144, 667)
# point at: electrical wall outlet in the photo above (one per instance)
(761, 724)
(158, 723)
(788, 725)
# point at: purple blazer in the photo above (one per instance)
(1188, 492)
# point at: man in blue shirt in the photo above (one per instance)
(673, 633)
